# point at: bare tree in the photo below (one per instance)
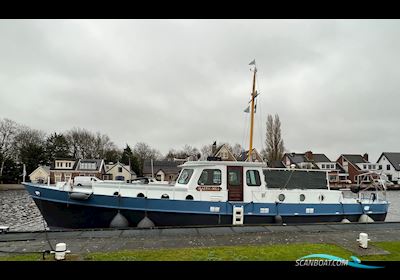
(8, 130)
(171, 154)
(85, 144)
(80, 141)
(26, 136)
(102, 145)
(237, 150)
(274, 142)
(206, 151)
(143, 151)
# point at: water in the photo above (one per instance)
(19, 211)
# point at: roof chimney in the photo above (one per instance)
(309, 155)
(214, 147)
(365, 156)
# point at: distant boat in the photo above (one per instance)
(209, 193)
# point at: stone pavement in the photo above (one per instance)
(107, 240)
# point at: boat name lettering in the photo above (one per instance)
(209, 188)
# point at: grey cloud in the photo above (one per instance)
(334, 83)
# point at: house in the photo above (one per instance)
(310, 160)
(40, 174)
(297, 160)
(119, 171)
(337, 174)
(90, 167)
(221, 152)
(256, 157)
(62, 169)
(389, 164)
(162, 170)
(358, 167)
(65, 169)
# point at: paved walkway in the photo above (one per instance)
(85, 241)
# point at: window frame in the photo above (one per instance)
(191, 170)
(258, 180)
(212, 179)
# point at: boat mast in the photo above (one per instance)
(253, 95)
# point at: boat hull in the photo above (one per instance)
(73, 216)
(61, 209)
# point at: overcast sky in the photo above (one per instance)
(334, 83)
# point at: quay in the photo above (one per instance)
(8, 187)
(109, 240)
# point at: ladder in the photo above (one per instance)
(238, 215)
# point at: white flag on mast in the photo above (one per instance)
(247, 110)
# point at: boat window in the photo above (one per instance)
(295, 179)
(253, 178)
(185, 176)
(234, 177)
(210, 177)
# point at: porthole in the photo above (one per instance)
(302, 197)
(281, 197)
(165, 196)
(321, 197)
(189, 197)
(140, 195)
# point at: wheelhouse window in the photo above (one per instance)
(210, 177)
(253, 178)
(185, 176)
(234, 177)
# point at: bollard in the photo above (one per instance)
(363, 240)
(61, 250)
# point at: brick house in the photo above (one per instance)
(358, 166)
(62, 170)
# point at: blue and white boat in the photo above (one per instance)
(209, 193)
